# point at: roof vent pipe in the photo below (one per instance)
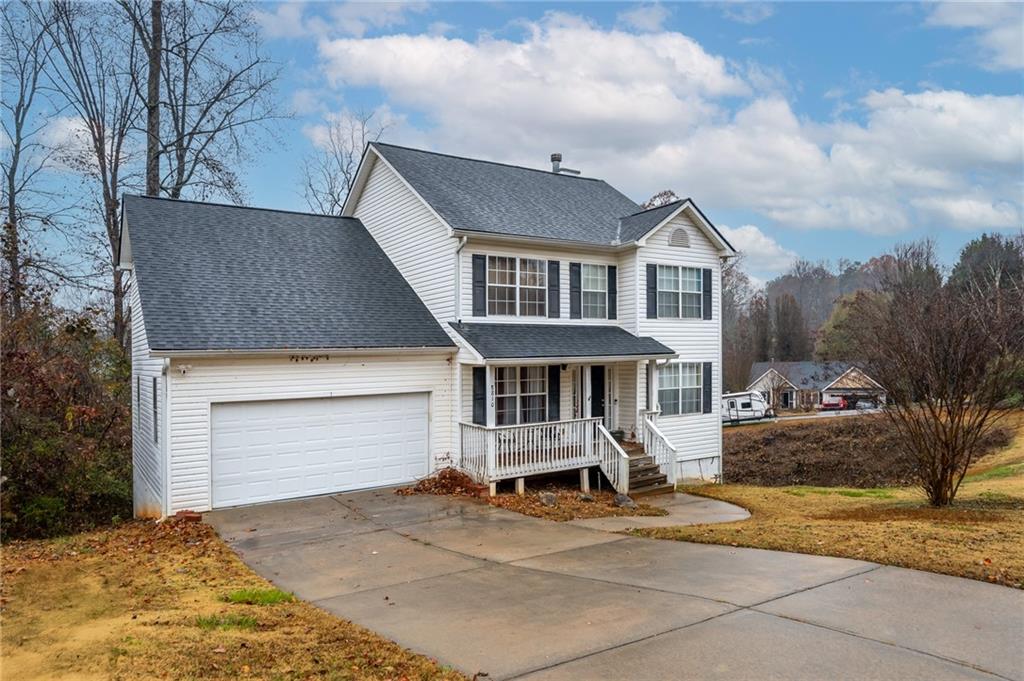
(556, 165)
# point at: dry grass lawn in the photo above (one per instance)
(170, 600)
(980, 536)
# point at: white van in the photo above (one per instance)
(746, 406)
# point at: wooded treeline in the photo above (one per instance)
(807, 312)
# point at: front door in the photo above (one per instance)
(597, 390)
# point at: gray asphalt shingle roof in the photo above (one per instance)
(216, 277)
(497, 198)
(538, 341)
(804, 375)
(483, 196)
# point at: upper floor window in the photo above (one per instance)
(594, 291)
(516, 286)
(679, 292)
(679, 388)
(521, 395)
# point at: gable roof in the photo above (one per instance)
(486, 197)
(802, 375)
(216, 277)
(557, 341)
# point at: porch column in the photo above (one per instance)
(492, 442)
(652, 384)
(586, 401)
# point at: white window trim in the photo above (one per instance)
(584, 289)
(517, 259)
(700, 389)
(680, 291)
(519, 394)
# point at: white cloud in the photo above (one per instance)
(998, 27)
(649, 18)
(761, 253)
(290, 19)
(747, 12)
(654, 110)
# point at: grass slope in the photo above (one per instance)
(170, 600)
(980, 536)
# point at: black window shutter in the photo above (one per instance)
(554, 282)
(652, 291)
(707, 294)
(575, 309)
(554, 391)
(613, 291)
(479, 285)
(480, 395)
(706, 386)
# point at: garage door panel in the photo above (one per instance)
(280, 449)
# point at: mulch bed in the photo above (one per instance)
(569, 503)
(843, 452)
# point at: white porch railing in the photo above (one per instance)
(613, 460)
(656, 445)
(489, 454)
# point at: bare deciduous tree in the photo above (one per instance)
(151, 34)
(93, 61)
(328, 173)
(946, 359)
(218, 88)
(665, 196)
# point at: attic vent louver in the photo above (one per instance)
(679, 238)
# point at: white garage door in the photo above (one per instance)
(282, 449)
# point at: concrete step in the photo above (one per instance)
(651, 490)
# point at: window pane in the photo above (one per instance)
(668, 376)
(594, 277)
(595, 305)
(691, 279)
(690, 402)
(534, 408)
(691, 305)
(668, 278)
(501, 300)
(505, 381)
(505, 411)
(532, 302)
(689, 375)
(533, 380)
(501, 270)
(668, 304)
(531, 272)
(668, 400)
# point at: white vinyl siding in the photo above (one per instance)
(209, 381)
(695, 340)
(413, 239)
(149, 464)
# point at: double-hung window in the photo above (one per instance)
(594, 291)
(679, 388)
(679, 292)
(522, 395)
(516, 286)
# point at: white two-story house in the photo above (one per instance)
(508, 321)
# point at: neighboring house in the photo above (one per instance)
(803, 385)
(501, 319)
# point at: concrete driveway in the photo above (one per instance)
(487, 590)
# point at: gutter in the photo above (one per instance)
(423, 350)
(577, 359)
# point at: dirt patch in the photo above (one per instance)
(858, 451)
(136, 602)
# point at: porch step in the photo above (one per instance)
(650, 490)
(654, 477)
(639, 461)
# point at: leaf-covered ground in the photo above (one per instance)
(171, 601)
(980, 536)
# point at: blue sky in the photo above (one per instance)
(820, 130)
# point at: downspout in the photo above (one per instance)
(165, 431)
(456, 400)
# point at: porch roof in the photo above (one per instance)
(558, 341)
